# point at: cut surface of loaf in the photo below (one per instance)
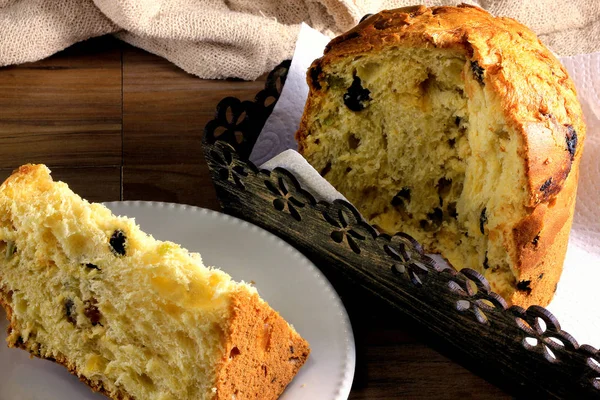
(133, 317)
(458, 128)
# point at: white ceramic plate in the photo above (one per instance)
(285, 278)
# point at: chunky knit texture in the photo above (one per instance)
(245, 38)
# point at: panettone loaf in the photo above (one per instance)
(458, 128)
(131, 316)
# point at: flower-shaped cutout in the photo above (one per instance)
(409, 259)
(233, 122)
(542, 332)
(289, 196)
(349, 226)
(224, 158)
(475, 295)
(275, 81)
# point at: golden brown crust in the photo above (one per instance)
(262, 353)
(541, 105)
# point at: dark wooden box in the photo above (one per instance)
(524, 350)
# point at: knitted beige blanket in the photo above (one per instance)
(245, 38)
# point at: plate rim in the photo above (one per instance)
(349, 366)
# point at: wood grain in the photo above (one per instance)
(186, 184)
(165, 109)
(65, 110)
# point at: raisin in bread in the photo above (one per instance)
(458, 128)
(133, 317)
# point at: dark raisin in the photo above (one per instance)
(477, 71)
(457, 120)
(571, 140)
(541, 276)
(365, 17)
(523, 286)
(118, 242)
(486, 265)
(353, 141)
(92, 266)
(356, 96)
(535, 240)
(70, 311)
(91, 312)
(546, 185)
(348, 169)
(451, 142)
(314, 76)
(325, 170)
(482, 220)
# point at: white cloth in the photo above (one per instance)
(245, 38)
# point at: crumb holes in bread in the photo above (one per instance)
(486, 264)
(118, 242)
(325, 170)
(524, 286)
(433, 221)
(443, 187)
(478, 71)
(353, 141)
(234, 353)
(503, 134)
(401, 198)
(451, 210)
(11, 250)
(356, 96)
(451, 143)
(92, 266)
(70, 311)
(540, 276)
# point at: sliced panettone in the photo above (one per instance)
(458, 128)
(133, 317)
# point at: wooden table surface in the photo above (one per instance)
(118, 123)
